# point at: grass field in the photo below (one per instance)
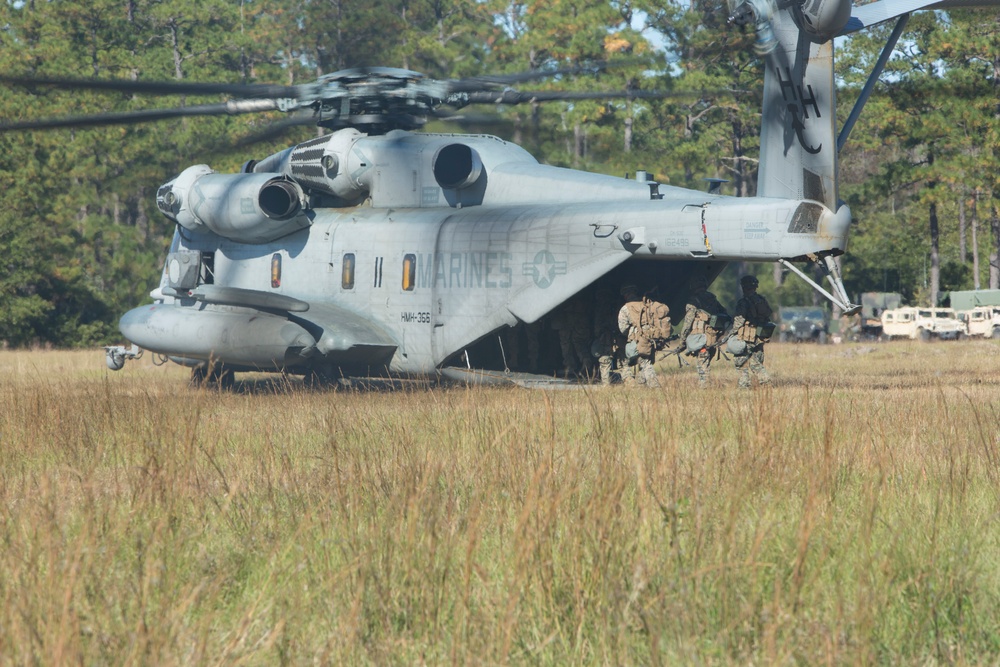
(847, 515)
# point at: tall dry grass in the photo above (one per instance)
(846, 515)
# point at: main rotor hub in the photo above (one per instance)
(377, 100)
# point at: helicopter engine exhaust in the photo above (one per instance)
(457, 166)
(246, 208)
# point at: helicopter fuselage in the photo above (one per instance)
(403, 288)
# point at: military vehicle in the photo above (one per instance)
(981, 321)
(376, 249)
(968, 299)
(922, 323)
(803, 324)
(873, 304)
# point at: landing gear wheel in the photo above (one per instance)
(225, 379)
(322, 379)
(215, 375)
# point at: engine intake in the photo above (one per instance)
(246, 208)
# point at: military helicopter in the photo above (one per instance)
(378, 250)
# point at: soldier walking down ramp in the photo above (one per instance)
(752, 328)
(640, 348)
(705, 322)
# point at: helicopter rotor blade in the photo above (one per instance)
(159, 87)
(372, 100)
(274, 130)
(478, 83)
(520, 97)
(470, 119)
(230, 108)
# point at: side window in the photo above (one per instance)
(276, 270)
(347, 272)
(207, 276)
(409, 272)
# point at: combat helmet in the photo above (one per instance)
(749, 281)
(697, 282)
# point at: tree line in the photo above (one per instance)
(82, 241)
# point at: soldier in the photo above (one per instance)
(608, 344)
(753, 327)
(705, 321)
(572, 322)
(639, 349)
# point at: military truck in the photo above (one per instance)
(873, 304)
(922, 323)
(803, 323)
(968, 299)
(981, 321)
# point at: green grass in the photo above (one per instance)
(847, 515)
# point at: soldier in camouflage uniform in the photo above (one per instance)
(572, 321)
(752, 314)
(628, 324)
(608, 345)
(702, 311)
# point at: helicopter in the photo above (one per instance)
(379, 250)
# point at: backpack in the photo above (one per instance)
(655, 321)
(654, 326)
(695, 343)
(736, 346)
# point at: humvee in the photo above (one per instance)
(982, 321)
(803, 323)
(922, 323)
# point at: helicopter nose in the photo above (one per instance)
(134, 325)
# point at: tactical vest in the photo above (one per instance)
(700, 326)
(710, 317)
(757, 326)
(644, 345)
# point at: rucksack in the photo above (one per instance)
(655, 321)
(654, 324)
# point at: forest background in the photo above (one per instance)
(81, 240)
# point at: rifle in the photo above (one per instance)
(680, 348)
(720, 347)
(664, 342)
